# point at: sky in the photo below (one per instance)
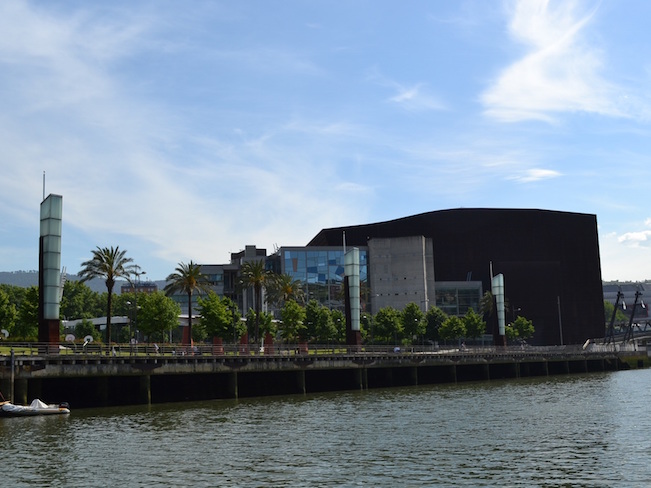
(185, 131)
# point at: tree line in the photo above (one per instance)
(155, 315)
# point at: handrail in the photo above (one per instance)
(122, 350)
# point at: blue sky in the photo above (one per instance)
(186, 130)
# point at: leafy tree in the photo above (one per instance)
(187, 279)
(216, 316)
(413, 321)
(87, 328)
(124, 304)
(453, 328)
(267, 324)
(8, 313)
(434, 318)
(238, 327)
(318, 320)
(26, 327)
(521, 328)
(253, 274)
(282, 288)
(366, 323)
(293, 317)
(388, 326)
(108, 264)
(15, 294)
(620, 316)
(339, 322)
(474, 325)
(158, 315)
(79, 301)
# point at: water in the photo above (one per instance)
(582, 430)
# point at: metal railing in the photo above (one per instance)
(314, 350)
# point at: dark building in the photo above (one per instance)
(549, 259)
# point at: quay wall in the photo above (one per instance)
(95, 380)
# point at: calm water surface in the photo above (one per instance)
(587, 430)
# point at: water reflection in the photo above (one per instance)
(587, 430)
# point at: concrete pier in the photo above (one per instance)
(89, 380)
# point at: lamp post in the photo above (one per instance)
(136, 271)
(514, 311)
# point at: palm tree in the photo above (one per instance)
(253, 274)
(108, 263)
(284, 287)
(187, 278)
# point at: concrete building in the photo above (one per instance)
(401, 271)
(549, 259)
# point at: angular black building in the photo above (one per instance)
(549, 259)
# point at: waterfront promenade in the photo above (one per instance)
(148, 373)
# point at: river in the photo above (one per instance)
(578, 430)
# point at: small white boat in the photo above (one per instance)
(37, 407)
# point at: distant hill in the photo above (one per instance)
(25, 279)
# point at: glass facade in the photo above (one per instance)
(456, 298)
(322, 272)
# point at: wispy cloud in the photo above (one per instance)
(561, 71)
(535, 174)
(416, 98)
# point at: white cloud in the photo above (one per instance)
(416, 98)
(561, 71)
(636, 239)
(624, 257)
(535, 174)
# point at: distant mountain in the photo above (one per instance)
(25, 279)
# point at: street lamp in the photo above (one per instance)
(136, 271)
(513, 312)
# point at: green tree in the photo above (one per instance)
(366, 324)
(108, 264)
(413, 321)
(293, 317)
(452, 329)
(520, 329)
(253, 274)
(339, 321)
(87, 328)
(267, 324)
(26, 327)
(238, 327)
(388, 325)
(8, 313)
(474, 324)
(434, 318)
(188, 279)
(319, 323)
(158, 315)
(216, 316)
(620, 316)
(79, 301)
(15, 294)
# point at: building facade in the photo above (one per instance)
(321, 270)
(549, 259)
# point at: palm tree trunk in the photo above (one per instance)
(190, 318)
(109, 302)
(258, 298)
